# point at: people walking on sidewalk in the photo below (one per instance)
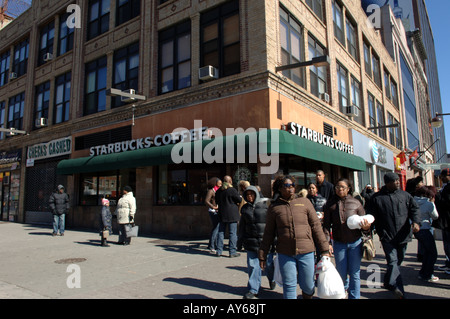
(295, 224)
(125, 211)
(393, 210)
(443, 222)
(105, 223)
(347, 243)
(251, 230)
(424, 197)
(214, 184)
(59, 206)
(228, 200)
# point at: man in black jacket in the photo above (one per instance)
(59, 205)
(397, 216)
(228, 199)
(325, 188)
(443, 222)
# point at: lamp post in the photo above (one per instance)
(437, 122)
(12, 131)
(128, 96)
(319, 61)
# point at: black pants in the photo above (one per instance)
(395, 253)
(123, 239)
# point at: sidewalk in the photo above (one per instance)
(35, 265)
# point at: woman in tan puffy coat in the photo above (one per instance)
(295, 223)
(126, 208)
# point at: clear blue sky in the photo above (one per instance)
(438, 12)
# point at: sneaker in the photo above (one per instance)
(398, 294)
(433, 278)
(235, 255)
(250, 295)
(62, 234)
(54, 234)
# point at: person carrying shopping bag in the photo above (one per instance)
(126, 208)
(295, 223)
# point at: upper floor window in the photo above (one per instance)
(21, 58)
(352, 39)
(394, 132)
(62, 98)
(316, 6)
(126, 71)
(66, 35)
(175, 58)
(356, 100)
(16, 108)
(47, 36)
(367, 62)
(127, 10)
(4, 68)
(318, 75)
(338, 22)
(291, 46)
(2, 118)
(220, 39)
(372, 111)
(95, 94)
(342, 76)
(380, 120)
(42, 102)
(98, 18)
(376, 70)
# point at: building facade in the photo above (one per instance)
(215, 103)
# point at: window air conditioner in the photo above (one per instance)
(41, 122)
(48, 57)
(325, 97)
(13, 75)
(208, 73)
(351, 110)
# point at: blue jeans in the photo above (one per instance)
(255, 273)
(348, 262)
(214, 231)
(298, 269)
(429, 252)
(58, 223)
(395, 253)
(232, 229)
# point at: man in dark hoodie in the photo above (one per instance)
(59, 205)
(228, 199)
(397, 216)
(251, 231)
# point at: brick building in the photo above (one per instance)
(205, 66)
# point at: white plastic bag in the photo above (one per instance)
(329, 282)
(277, 273)
(354, 221)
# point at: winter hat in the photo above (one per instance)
(390, 177)
(128, 189)
(60, 187)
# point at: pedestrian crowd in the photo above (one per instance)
(290, 232)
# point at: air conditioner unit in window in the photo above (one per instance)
(325, 97)
(48, 57)
(351, 110)
(41, 122)
(13, 76)
(208, 73)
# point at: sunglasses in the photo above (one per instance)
(289, 185)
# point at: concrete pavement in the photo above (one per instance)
(35, 265)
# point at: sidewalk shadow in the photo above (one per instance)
(198, 248)
(90, 242)
(208, 285)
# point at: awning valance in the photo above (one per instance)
(284, 141)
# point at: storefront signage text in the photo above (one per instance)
(147, 142)
(53, 148)
(311, 135)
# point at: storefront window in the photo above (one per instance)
(95, 186)
(185, 184)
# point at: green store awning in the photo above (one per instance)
(287, 144)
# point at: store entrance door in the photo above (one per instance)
(5, 202)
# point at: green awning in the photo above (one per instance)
(287, 144)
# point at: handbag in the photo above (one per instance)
(131, 230)
(105, 234)
(368, 247)
(329, 282)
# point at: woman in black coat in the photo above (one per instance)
(251, 231)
